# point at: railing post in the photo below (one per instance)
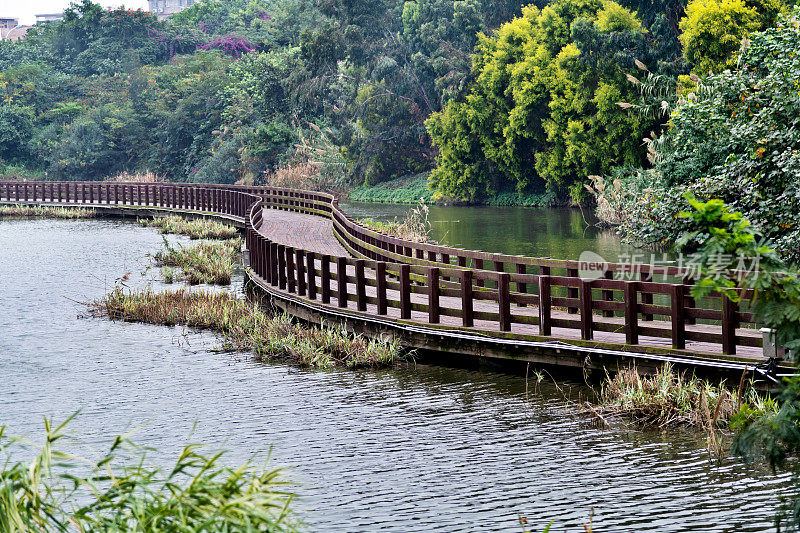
(572, 292)
(361, 286)
(291, 283)
(341, 280)
(301, 277)
(522, 287)
(326, 279)
(380, 286)
(608, 295)
(585, 295)
(479, 266)
(274, 263)
(545, 320)
(467, 313)
(689, 299)
(282, 267)
(729, 323)
(647, 298)
(677, 317)
(504, 300)
(405, 291)
(311, 276)
(433, 295)
(631, 313)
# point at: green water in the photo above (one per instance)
(560, 233)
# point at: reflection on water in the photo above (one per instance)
(410, 449)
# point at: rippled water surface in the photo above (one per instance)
(411, 449)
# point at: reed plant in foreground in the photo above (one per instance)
(37, 211)
(206, 262)
(244, 325)
(669, 398)
(121, 491)
(199, 228)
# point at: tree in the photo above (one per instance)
(542, 110)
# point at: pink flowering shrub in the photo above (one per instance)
(232, 45)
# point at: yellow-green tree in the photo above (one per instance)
(542, 111)
(712, 30)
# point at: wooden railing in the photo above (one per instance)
(393, 277)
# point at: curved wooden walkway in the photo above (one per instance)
(320, 265)
(315, 234)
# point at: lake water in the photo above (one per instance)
(560, 233)
(415, 448)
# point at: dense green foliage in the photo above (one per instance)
(736, 139)
(233, 90)
(719, 237)
(542, 112)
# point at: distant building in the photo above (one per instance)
(14, 33)
(49, 17)
(6, 23)
(164, 8)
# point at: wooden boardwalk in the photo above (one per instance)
(320, 265)
(315, 234)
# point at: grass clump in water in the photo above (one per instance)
(668, 398)
(31, 211)
(416, 226)
(246, 326)
(199, 228)
(121, 491)
(207, 262)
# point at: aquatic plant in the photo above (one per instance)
(206, 262)
(36, 211)
(415, 226)
(668, 398)
(121, 491)
(199, 228)
(244, 325)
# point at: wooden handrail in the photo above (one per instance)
(433, 280)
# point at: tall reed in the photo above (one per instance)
(123, 492)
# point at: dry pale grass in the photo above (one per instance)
(199, 228)
(246, 326)
(668, 398)
(35, 211)
(137, 177)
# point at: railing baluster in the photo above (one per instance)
(312, 275)
(291, 283)
(631, 313)
(325, 267)
(504, 300)
(729, 324)
(299, 260)
(545, 303)
(341, 280)
(468, 315)
(361, 286)
(405, 291)
(282, 267)
(585, 296)
(380, 283)
(433, 295)
(572, 292)
(677, 317)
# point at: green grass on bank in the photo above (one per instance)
(406, 190)
(409, 190)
